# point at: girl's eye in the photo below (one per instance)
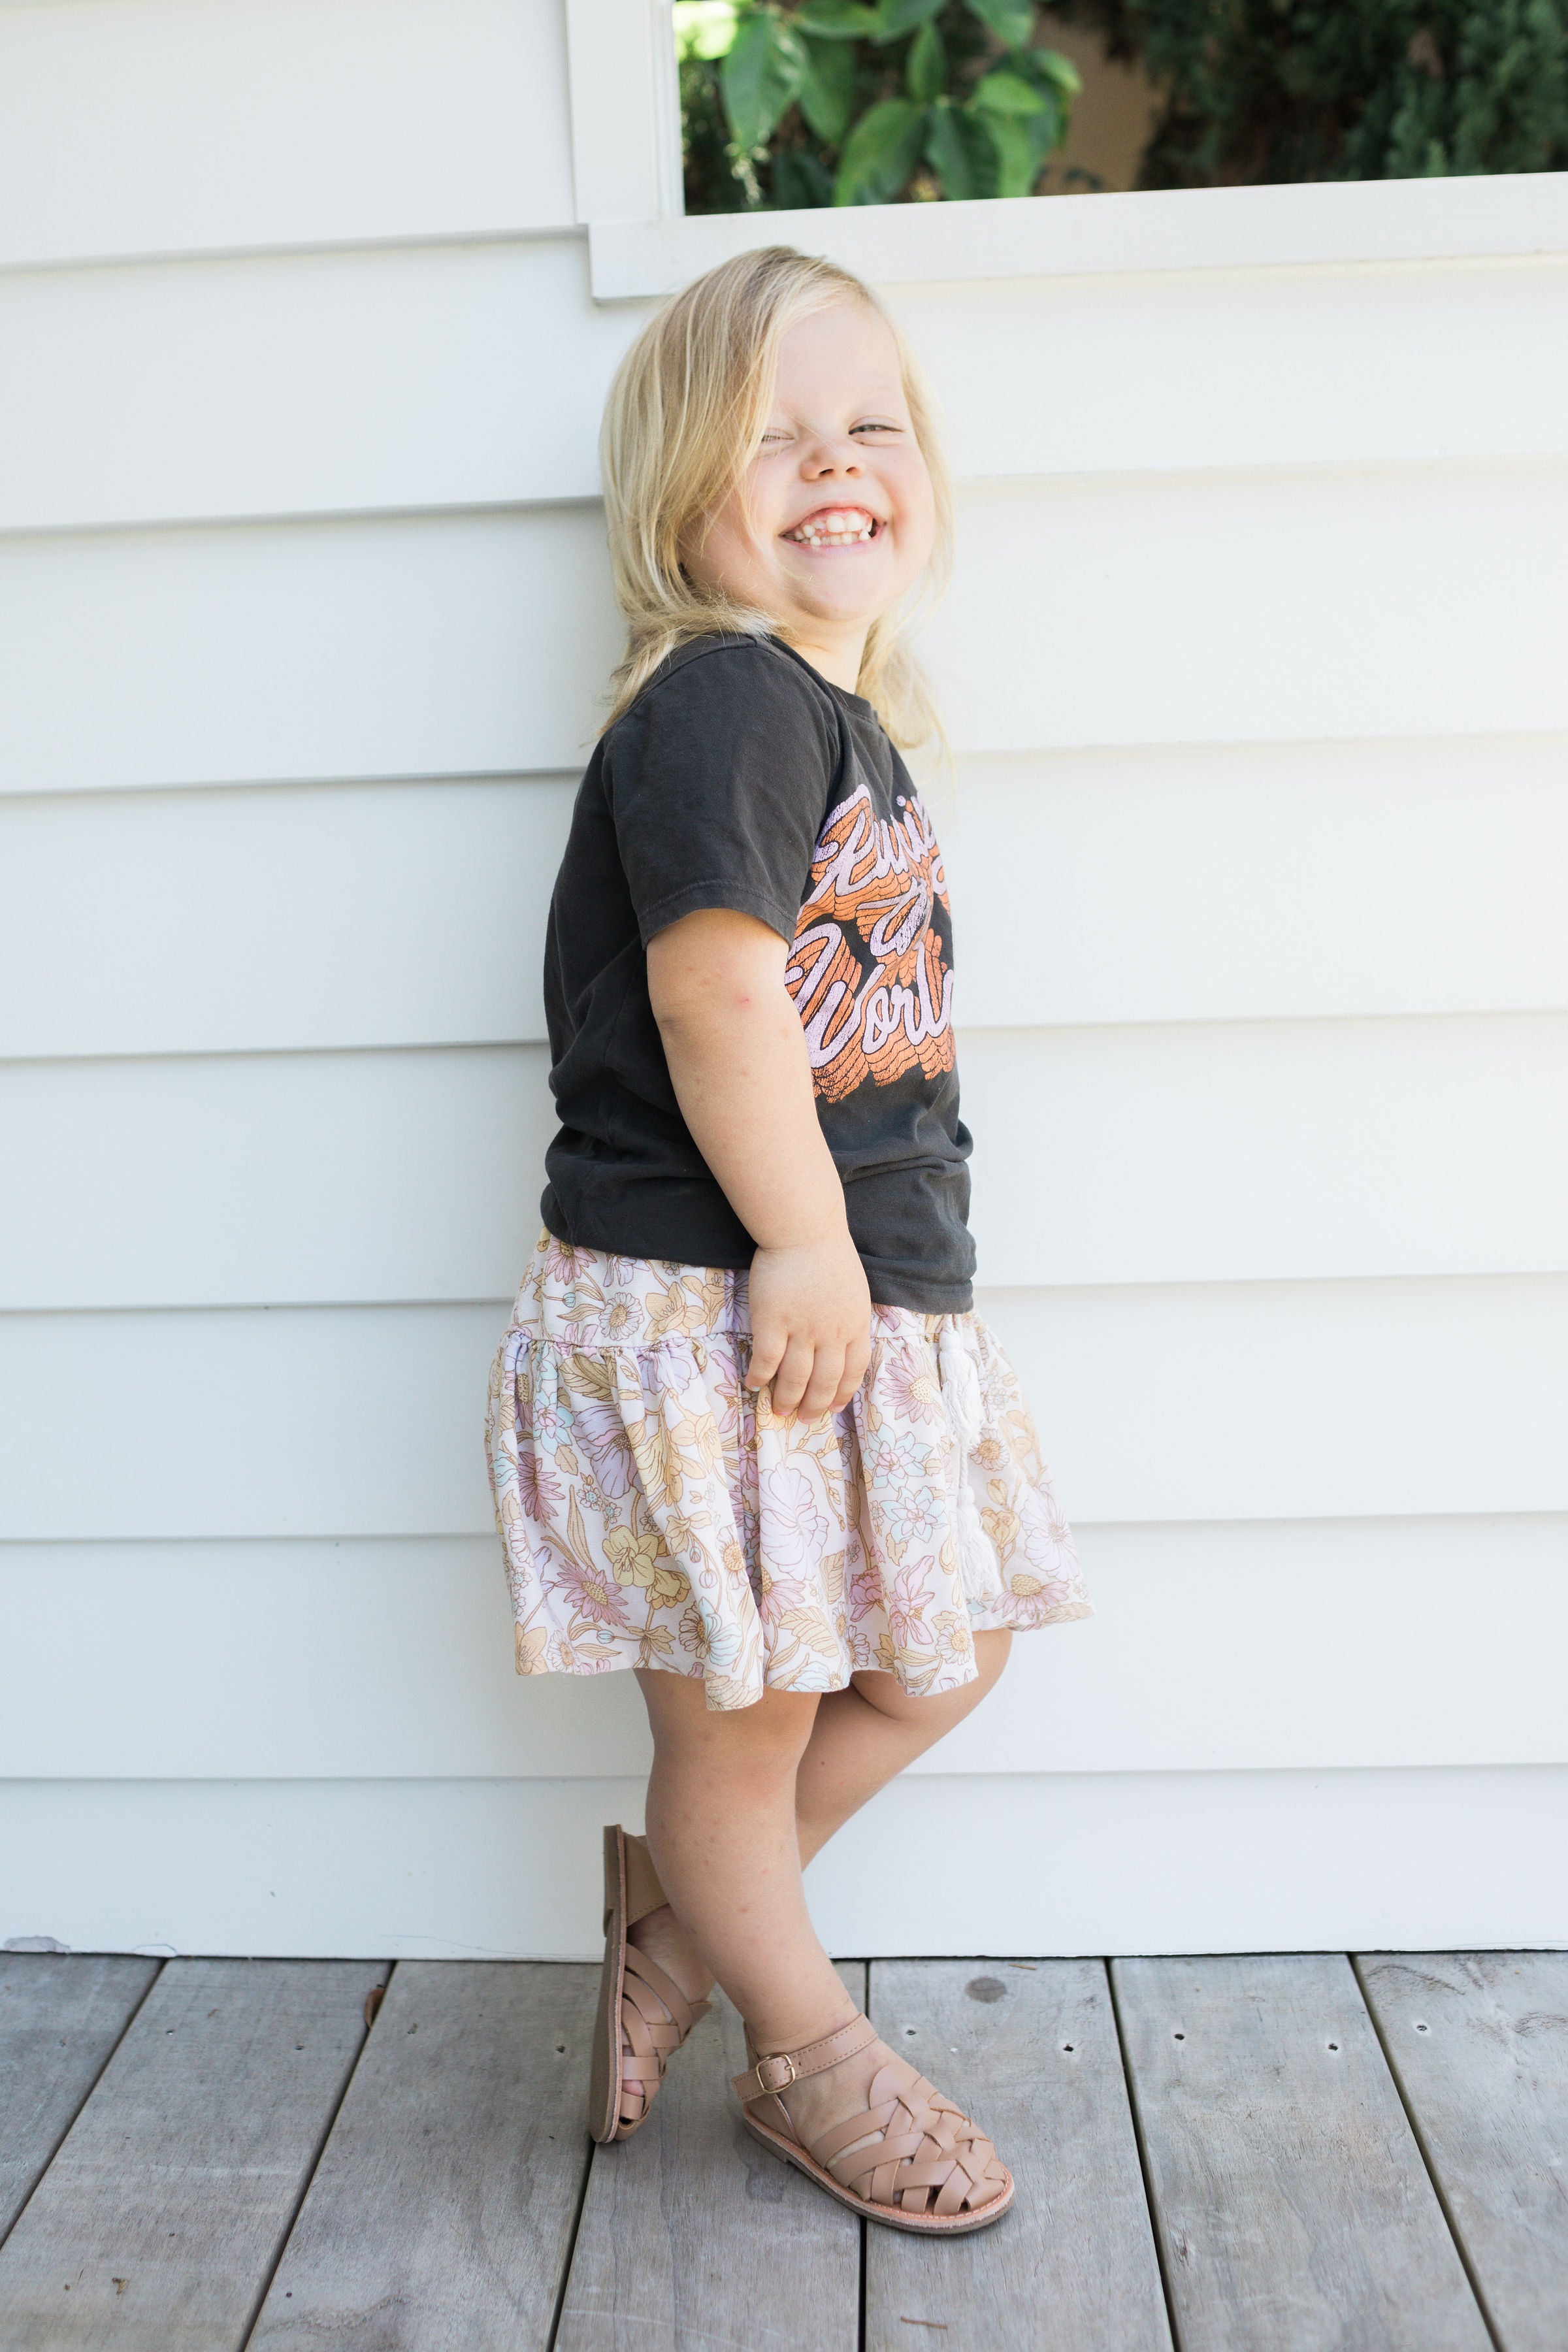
(874, 425)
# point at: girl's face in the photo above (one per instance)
(834, 519)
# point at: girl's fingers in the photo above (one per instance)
(791, 1377)
(856, 1356)
(767, 1354)
(826, 1375)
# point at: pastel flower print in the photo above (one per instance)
(794, 1527)
(913, 1515)
(899, 1462)
(906, 1604)
(643, 1560)
(603, 1434)
(913, 1384)
(733, 1558)
(551, 1421)
(672, 1310)
(780, 1593)
(1000, 1521)
(539, 1490)
(695, 1435)
(531, 1642)
(953, 1637)
(591, 1592)
(694, 1635)
(865, 1591)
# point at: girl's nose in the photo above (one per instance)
(833, 457)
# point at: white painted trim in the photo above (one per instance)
(1032, 1863)
(626, 110)
(1512, 216)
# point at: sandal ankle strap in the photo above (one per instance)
(778, 2071)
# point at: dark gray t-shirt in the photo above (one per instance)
(740, 778)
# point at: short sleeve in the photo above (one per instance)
(718, 780)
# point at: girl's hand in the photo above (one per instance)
(810, 1325)
(738, 1065)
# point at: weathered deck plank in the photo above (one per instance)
(1479, 2043)
(61, 2017)
(440, 2216)
(1032, 2053)
(156, 2225)
(1291, 2200)
(693, 2237)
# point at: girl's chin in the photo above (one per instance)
(847, 600)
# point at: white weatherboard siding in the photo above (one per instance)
(1255, 676)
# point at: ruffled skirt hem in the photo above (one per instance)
(653, 1512)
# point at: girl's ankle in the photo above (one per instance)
(774, 2044)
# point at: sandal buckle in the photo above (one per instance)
(784, 2080)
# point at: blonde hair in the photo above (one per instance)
(684, 418)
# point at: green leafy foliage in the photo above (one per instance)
(880, 153)
(838, 20)
(1261, 90)
(827, 93)
(1012, 21)
(897, 17)
(830, 101)
(925, 67)
(761, 76)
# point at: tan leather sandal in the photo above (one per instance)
(642, 2017)
(909, 2157)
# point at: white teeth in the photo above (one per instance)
(816, 535)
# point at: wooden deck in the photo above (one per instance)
(1264, 2154)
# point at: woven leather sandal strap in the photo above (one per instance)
(778, 2071)
(929, 2158)
(659, 1985)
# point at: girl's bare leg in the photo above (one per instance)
(863, 1736)
(725, 1840)
(722, 1831)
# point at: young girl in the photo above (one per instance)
(746, 1435)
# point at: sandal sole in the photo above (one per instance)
(919, 2225)
(604, 2082)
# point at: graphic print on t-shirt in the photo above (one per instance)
(866, 971)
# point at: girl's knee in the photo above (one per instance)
(772, 1735)
(757, 1742)
(889, 1696)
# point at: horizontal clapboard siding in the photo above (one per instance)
(1230, 1401)
(410, 376)
(1255, 832)
(176, 126)
(1233, 882)
(1121, 1861)
(425, 646)
(1314, 604)
(1219, 1153)
(1365, 1642)
(306, 383)
(1310, 603)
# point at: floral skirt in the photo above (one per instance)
(655, 1512)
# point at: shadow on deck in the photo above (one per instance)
(1284, 2152)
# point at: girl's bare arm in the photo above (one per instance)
(737, 1058)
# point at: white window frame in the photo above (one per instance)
(625, 141)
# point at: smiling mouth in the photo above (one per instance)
(837, 526)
